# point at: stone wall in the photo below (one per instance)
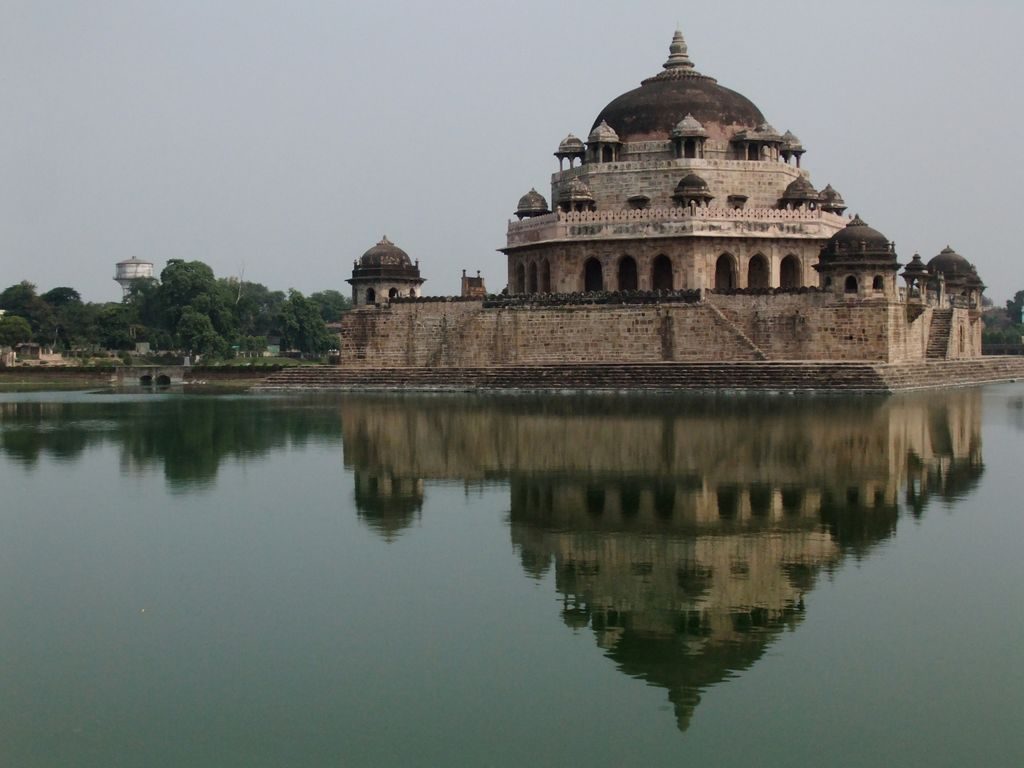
(612, 184)
(809, 325)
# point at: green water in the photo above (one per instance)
(508, 581)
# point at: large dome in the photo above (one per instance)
(385, 254)
(650, 112)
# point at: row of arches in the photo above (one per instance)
(535, 278)
(393, 293)
(663, 273)
(852, 285)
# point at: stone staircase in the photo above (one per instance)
(746, 342)
(938, 335)
(764, 376)
(747, 375)
(952, 373)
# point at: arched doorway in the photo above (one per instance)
(371, 296)
(851, 284)
(531, 285)
(878, 284)
(593, 279)
(757, 272)
(545, 277)
(393, 293)
(661, 273)
(627, 274)
(789, 273)
(725, 275)
(520, 279)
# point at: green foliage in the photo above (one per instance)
(1014, 307)
(14, 330)
(61, 297)
(21, 299)
(189, 308)
(332, 304)
(197, 334)
(114, 327)
(302, 327)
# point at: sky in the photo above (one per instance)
(277, 141)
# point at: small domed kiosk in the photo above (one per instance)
(859, 261)
(382, 273)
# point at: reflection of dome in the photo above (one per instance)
(385, 254)
(651, 111)
(387, 504)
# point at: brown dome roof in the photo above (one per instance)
(949, 262)
(651, 111)
(385, 254)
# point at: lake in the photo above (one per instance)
(235, 580)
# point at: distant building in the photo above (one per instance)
(473, 286)
(127, 273)
(384, 272)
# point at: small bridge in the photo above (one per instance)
(149, 375)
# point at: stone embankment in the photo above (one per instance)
(738, 375)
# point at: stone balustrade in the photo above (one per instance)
(654, 222)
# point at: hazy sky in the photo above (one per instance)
(283, 139)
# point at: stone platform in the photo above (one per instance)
(763, 376)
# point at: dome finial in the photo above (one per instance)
(678, 55)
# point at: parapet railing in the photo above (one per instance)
(593, 297)
(556, 225)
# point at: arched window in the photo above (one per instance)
(725, 276)
(878, 283)
(661, 273)
(627, 274)
(593, 280)
(393, 293)
(545, 277)
(531, 286)
(607, 155)
(757, 272)
(828, 282)
(371, 296)
(789, 273)
(690, 149)
(520, 279)
(851, 284)
(412, 293)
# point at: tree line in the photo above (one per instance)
(1005, 326)
(187, 309)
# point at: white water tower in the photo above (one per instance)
(127, 272)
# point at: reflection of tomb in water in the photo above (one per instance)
(685, 534)
(387, 504)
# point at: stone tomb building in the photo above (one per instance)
(684, 228)
(382, 273)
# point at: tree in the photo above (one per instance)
(21, 299)
(14, 330)
(1014, 307)
(181, 283)
(301, 325)
(114, 327)
(196, 333)
(332, 304)
(61, 297)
